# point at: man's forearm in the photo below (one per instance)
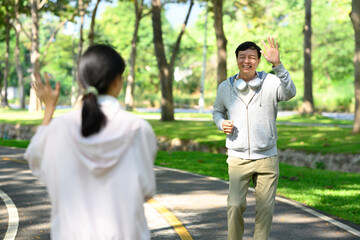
(287, 87)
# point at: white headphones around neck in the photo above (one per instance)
(241, 85)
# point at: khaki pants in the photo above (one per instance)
(265, 174)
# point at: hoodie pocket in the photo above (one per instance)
(237, 140)
(264, 137)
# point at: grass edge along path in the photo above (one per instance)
(336, 193)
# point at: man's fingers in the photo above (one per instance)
(275, 43)
(228, 126)
(228, 129)
(269, 42)
(272, 43)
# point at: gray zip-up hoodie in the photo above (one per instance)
(254, 135)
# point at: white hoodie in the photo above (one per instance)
(97, 185)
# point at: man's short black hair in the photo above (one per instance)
(248, 45)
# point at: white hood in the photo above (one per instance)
(102, 151)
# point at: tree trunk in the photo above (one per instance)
(92, 25)
(355, 18)
(4, 100)
(80, 89)
(81, 31)
(129, 95)
(17, 56)
(308, 104)
(167, 105)
(221, 41)
(34, 102)
(73, 73)
(166, 70)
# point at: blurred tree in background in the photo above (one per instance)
(332, 48)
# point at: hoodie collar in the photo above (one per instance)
(107, 100)
(261, 75)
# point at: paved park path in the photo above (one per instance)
(187, 206)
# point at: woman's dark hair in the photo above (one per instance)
(248, 45)
(98, 68)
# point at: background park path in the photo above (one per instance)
(197, 202)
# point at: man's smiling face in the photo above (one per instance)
(247, 62)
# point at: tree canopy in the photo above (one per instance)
(332, 43)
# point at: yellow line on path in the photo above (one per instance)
(179, 228)
(13, 160)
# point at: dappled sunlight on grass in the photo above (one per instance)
(329, 191)
(177, 115)
(202, 163)
(306, 138)
(315, 118)
(14, 116)
(342, 203)
(318, 139)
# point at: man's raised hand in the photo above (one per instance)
(271, 52)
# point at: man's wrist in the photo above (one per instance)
(276, 64)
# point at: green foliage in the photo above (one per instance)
(333, 44)
(60, 59)
(333, 47)
(116, 27)
(57, 61)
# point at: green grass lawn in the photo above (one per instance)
(14, 116)
(316, 118)
(314, 139)
(14, 143)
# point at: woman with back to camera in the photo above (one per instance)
(96, 162)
